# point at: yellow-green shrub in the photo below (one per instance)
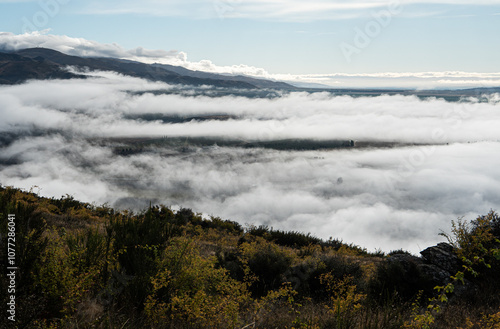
(265, 265)
(345, 300)
(189, 289)
(60, 280)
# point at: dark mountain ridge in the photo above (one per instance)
(261, 83)
(17, 69)
(43, 63)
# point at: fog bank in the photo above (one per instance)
(62, 137)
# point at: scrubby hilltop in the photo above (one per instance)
(87, 266)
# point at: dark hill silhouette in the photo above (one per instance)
(16, 69)
(261, 83)
(43, 63)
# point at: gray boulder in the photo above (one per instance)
(443, 257)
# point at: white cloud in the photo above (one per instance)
(83, 47)
(388, 198)
(405, 80)
(88, 48)
(68, 105)
(255, 9)
(286, 10)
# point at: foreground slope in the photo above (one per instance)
(88, 266)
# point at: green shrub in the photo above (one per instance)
(88, 248)
(398, 280)
(284, 238)
(138, 243)
(189, 291)
(267, 263)
(337, 265)
(477, 246)
(61, 279)
(223, 225)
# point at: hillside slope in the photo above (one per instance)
(16, 69)
(87, 266)
(42, 63)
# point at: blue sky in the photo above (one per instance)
(284, 36)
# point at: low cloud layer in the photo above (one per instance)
(61, 136)
(100, 106)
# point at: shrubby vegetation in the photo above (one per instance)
(87, 266)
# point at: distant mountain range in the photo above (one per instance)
(41, 63)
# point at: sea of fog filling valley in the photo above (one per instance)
(380, 171)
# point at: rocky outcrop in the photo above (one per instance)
(437, 263)
(442, 256)
(434, 268)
